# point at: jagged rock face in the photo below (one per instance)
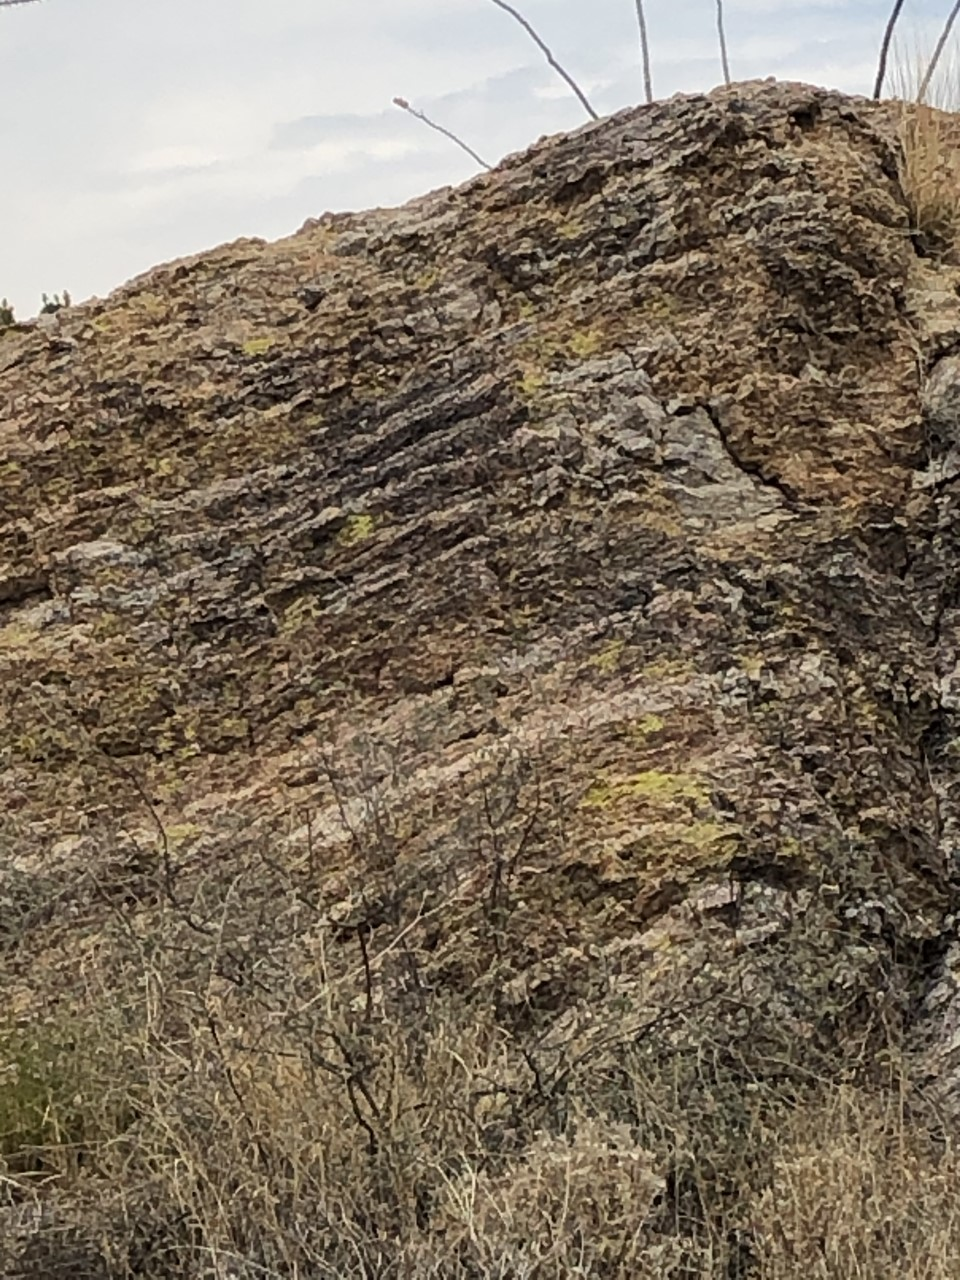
(604, 479)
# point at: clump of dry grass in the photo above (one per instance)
(856, 1193)
(931, 177)
(930, 142)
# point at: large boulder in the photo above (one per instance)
(538, 603)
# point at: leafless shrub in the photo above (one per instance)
(363, 1074)
(937, 53)
(885, 48)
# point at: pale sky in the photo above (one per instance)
(136, 131)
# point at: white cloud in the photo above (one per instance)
(174, 156)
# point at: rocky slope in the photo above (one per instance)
(545, 593)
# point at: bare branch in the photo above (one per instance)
(885, 48)
(944, 36)
(508, 8)
(724, 61)
(405, 106)
(645, 52)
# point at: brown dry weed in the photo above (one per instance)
(245, 1081)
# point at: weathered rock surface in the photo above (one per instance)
(617, 485)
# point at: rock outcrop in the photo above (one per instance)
(544, 594)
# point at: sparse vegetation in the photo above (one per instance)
(930, 152)
(50, 305)
(246, 1074)
(931, 177)
(254, 1080)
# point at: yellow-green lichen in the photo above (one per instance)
(586, 344)
(107, 624)
(181, 832)
(531, 381)
(297, 614)
(426, 279)
(668, 668)
(259, 346)
(150, 305)
(675, 844)
(651, 785)
(16, 636)
(356, 528)
(752, 664)
(164, 465)
(646, 726)
(608, 659)
(571, 229)
(665, 304)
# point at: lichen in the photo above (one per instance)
(426, 279)
(668, 668)
(586, 344)
(571, 229)
(608, 659)
(646, 726)
(649, 785)
(258, 346)
(301, 611)
(531, 381)
(356, 528)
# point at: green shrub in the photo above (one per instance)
(54, 304)
(56, 1103)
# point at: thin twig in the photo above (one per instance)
(405, 105)
(645, 52)
(367, 975)
(724, 62)
(885, 49)
(944, 36)
(508, 8)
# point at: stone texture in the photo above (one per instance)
(610, 476)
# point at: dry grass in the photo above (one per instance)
(263, 1086)
(930, 141)
(931, 177)
(431, 1149)
(859, 1193)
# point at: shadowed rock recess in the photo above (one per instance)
(541, 599)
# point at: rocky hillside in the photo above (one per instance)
(478, 691)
